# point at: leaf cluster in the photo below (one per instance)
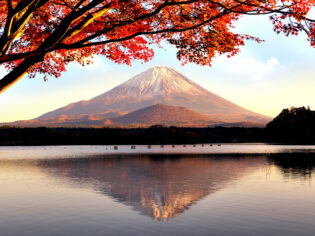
(44, 36)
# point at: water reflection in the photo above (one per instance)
(126, 195)
(294, 165)
(161, 187)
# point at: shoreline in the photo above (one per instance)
(76, 151)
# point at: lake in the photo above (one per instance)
(209, 189)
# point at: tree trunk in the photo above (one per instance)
(17, 73)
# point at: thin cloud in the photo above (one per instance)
(98, 63)
(253, 68)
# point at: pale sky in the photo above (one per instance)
(265, 78)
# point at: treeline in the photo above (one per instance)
(294, 126)
(110, 136)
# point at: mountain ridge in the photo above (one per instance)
(161, 114)
(158, 114)
(159, 95)
(160, 85)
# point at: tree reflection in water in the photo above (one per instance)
(294, 165)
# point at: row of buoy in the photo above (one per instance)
(162, 146)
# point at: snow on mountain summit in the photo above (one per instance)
(160, 85)
(158, 81)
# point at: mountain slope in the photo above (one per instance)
(84, 120)
(160, 85)
(164, 114)
(157, 114)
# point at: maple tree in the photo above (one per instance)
(43, 36)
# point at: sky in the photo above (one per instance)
(264, 78)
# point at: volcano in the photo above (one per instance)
(158, 85)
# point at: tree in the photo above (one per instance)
(296, 125)
(43, 36)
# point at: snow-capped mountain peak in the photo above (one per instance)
(160, 85)
(159, 81)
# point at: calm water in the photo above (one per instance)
(93, 191)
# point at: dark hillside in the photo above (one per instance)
(103, 136)
(294, 125)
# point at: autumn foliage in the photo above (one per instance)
(43, 36)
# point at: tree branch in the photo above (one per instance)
(87, 20)
(170, 30)
(9, 2)
(17, 73)
(144, 16)
(65, 32)
(16, 21)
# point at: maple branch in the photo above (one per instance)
(127, 22)
(18, 72)
(79, 4)
(170, 30)
(63, 30)
(269, 11)
(64, 4)
(81, 44)
(240, 3)
(87, 20)
(9, 2)
(78, 45)
(79, 24)
(60, 33)
(16, 20)
(18, 56)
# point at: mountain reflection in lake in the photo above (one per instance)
(157, 186)
(155, 195)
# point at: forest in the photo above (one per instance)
(291, 126)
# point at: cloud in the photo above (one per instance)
(99, 63)
(252, 68)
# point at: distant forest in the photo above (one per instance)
(294, 126)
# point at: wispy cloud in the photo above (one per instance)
(98, 63)
(253, 68)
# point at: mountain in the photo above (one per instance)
(158, 85)
(158, 114)
(82, 120)
(161, 188)
(164, 115)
